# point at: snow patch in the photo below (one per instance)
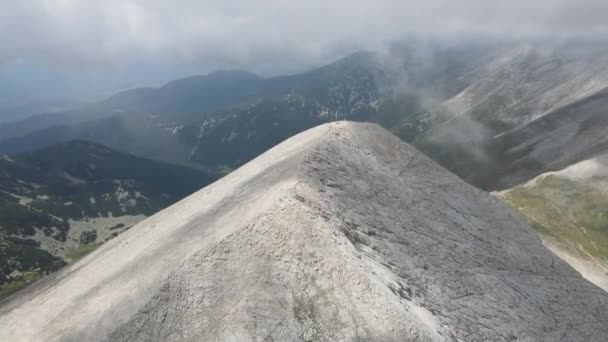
(72, 179)
(7, 158)
(22, 199)
(139, 195)
(176, 129)
(121, 193)
(232, 136)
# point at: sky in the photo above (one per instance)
(268, 36)
(49, 45)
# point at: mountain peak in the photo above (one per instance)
(233, 73)
(214, 77)
(340, 232)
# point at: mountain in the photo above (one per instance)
(160, 123)
(341, 232)
(496, 114)
(569, 209)
(190, 95)
(197, 94)
(189, 120)
(532, 110)
(58, 203)
(571, 134)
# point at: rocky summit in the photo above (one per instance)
(341, 233)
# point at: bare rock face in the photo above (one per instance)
(341, 233)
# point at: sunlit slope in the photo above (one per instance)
(569, 209)
(342, 232)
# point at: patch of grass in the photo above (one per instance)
(574, 213)
(15, 285)
(79, 252)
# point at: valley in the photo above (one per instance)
(59, 203)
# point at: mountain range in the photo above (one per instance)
(495, 114)
(520, 119)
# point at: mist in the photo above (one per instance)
(267, 36)
(56, 54)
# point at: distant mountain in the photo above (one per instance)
(528, 111)
(495, 114)
(203, 120)
(58, 203)
(198, 94)
(174, 122)
(190, 95)
(558, 139)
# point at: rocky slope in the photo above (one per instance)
(532, 109)
(342, 232)
(569, 209)
(59, 203)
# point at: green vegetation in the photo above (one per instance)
(19, 283)
(77, 253)
(22, 262)
(43, 192)
(574, 213)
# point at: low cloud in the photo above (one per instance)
(268, 36)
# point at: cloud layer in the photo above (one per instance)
(264, 35)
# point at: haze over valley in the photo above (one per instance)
(413, 171)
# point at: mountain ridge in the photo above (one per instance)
(495, 114)
(340, 231)
(568, 210)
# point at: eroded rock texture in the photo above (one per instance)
(342, 233)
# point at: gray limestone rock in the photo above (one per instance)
(341, 233)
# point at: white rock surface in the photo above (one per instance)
(341, 233)
(591, 269)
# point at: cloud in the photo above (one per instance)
(270, 36)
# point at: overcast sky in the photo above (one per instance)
(268, 36)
